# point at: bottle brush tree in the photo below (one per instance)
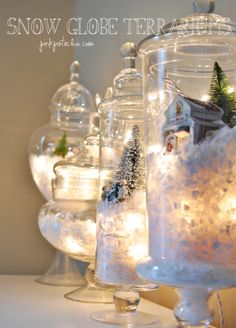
(221, 94)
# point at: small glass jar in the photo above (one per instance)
(189, 82)
(68, 222)
(72, 119)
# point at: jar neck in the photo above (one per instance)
(77, 188)
(65, 188)
(71, 119)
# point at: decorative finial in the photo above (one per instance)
(204, 6)
(129, 53)
(97, 99)
(108, 93)
(74, 71)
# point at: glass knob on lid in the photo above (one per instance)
(204, 6)
(129, 80)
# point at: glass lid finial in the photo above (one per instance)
(204, 6)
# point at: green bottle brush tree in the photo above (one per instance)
(62, 147)
(222, 95)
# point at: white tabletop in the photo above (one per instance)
(27, 304)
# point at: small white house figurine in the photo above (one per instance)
(190, 118)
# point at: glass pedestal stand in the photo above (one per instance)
(64, 271)
(193, 308)
(91, 292)
(126, 301)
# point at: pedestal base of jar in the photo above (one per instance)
(64, 271)
(126, 319)
(126, 302)
(193, 308)
(91, 293)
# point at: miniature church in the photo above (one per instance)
(190, 118)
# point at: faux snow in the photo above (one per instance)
(192, 211)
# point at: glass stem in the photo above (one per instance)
(126, 300)
(193, 308)
(90, 275)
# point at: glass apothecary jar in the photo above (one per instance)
(121, 208)
(68, 222)
(189, 83)
(121, 211)
(72, 119)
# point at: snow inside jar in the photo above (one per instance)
(121, 211)
(68, 222)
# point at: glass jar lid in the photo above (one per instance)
(129, 80)
(72, 97)
(88, 158)
(126, 93)
(203, 23)
(76, 178)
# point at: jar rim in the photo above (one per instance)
(196, 24)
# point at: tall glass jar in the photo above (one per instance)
(189, 83)
(121, 211)
(72, 118)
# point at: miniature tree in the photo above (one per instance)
(221, 95)
(62, 147)
(131, 167)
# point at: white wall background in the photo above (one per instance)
(27, 81)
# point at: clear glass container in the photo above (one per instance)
(121, 211)
(68, 222)
(72, 119)
(189, 90)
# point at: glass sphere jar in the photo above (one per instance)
(189, 82)
(72, 119)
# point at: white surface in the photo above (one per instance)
(27, 304)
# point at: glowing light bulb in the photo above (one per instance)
(205, 98)
(138, 251)
(135, 221)
(72, 246)
(154, 149)
(128, 136)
